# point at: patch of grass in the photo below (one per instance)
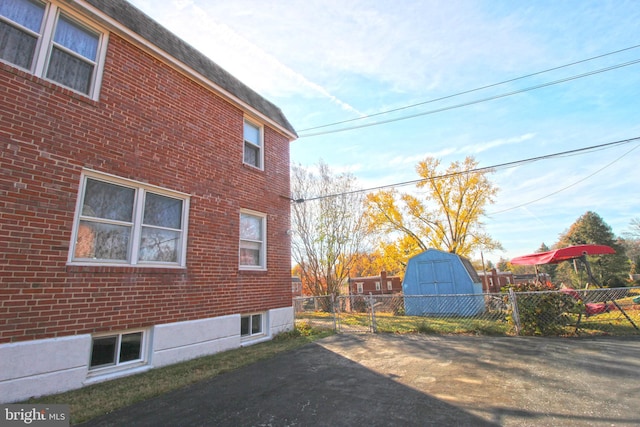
(463, 326)
(425, 328)
(363, 320)
(440, 325)
(316, 315)
(92, 401)
(391, 323)
(611, 323)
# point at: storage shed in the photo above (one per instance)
(437, 283)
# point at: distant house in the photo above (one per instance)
(494, 280)
(145, 200)
(376, 285)
(296, 287)
(533, 277)
(431, 280)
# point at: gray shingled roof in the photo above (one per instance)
(141, 24)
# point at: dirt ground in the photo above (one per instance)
(415, 380)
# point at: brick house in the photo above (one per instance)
(296, 287)
(144, 200)
(494, 280)
(376, 285)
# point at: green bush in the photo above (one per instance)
(543, 313)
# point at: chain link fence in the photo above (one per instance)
(565, 312)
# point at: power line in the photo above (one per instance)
(476, 170)
(471, 90)
(477, 101)
(566, 187)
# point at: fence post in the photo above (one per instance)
(373, 314)
(514, 310)
(334, 312)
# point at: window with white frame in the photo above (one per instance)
(117, 349)
(359, 287)
(389, 285)
(125, 222)
(253, 153)
(378, 286)
(252, 240)
(251, 325)
(50, 43)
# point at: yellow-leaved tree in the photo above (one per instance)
(445, 215)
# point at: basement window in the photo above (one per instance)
(251, 325)
(117, 349)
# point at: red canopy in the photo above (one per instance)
(559, 255)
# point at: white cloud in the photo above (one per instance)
(325, 61)
(415, 158)
(470, 149)
(413, 46)
(245, 60)
(479, 148)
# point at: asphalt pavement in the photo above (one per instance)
(414, 380)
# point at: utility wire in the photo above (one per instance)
(564, 188)
(477, 101)
(471, 90)
(477, 170)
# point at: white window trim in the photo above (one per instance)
(260, 148)
(45, 42)
(378, 286)
(359, 287)
(263, 249)
(389, 285)
(136, 221)
(132, 364)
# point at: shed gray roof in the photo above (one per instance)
(141, 24)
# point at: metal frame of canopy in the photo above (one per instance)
(570, 253)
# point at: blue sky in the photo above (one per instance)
(326, 61)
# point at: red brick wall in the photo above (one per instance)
(151, 124)
(493, 280)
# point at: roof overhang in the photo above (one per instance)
(99, 15)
